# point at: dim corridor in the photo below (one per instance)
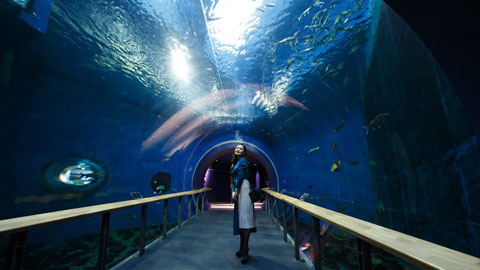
(207, 242)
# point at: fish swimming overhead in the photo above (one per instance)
(339, 126)
(289, 63)
(376, 122)
(336, 166)
(334, 146)
(313, 150)
(304, 13)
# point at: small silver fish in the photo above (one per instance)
(311, 151)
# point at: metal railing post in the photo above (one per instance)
(141, 251)
(189, 206)
(267, 199)
(196, 206)
(16, 247)
(272, 203)
(179, 223)
(102, 249)
(295, 232)
(165, 217)
(285, 221)
(317, 243)
(278, 215)
(364, 255)
(203, 202)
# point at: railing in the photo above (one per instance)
(416, 251)
(17, 228)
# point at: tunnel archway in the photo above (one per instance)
(221, 153)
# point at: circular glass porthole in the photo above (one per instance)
(74, 174)
(161, 182)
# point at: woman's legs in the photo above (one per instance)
(242, 241)
(246, 236)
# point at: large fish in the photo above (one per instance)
(377, 121)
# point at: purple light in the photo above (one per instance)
(207, 178)
(257, 178)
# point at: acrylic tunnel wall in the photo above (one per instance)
(338, 99)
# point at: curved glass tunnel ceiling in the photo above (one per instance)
(343, 97)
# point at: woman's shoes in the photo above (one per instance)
(238, 253)
(244, 259)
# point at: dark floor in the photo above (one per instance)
(207, 242)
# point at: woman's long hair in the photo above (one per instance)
(235, 159)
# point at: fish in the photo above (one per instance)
(317, 16)
(130, 217)
(304, 91)
(376, 122)
(93, 174)
(364, 153)
(337, 20)
(289, 63)
(343, 177)
(318, 3)
(352, 162)
(310, 186)
(342, 208)
(270, 5)
(372, 164)
(260, 9)
(289, 39)
(336, 166)
(353, 49)
(334, 146)
(304, 13)
(339, 126)
(307, 37)
(311, 151)
(325, 195)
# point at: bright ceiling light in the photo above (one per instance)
(230, 20)
(179, 63)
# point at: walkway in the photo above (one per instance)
(207, 242)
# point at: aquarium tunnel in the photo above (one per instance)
(338, 102)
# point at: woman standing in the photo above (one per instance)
(243, 213)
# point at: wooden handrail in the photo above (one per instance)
(416, 251)
(19, 224)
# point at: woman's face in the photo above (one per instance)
(239, 150)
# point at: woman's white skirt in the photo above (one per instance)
(245, 207)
